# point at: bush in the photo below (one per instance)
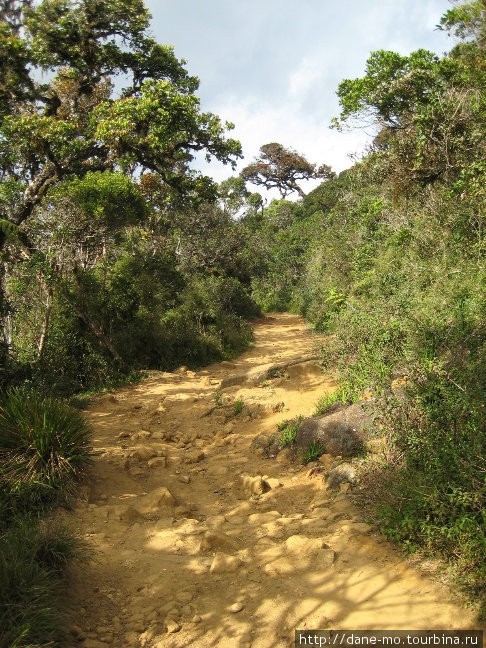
(44, 443)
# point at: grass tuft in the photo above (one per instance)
(44, 443)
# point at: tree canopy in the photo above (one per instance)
(281, 168)
(114, 99)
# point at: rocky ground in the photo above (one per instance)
(199, 538)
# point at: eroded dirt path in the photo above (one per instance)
(183, 557)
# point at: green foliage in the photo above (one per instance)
(32, 557)
(238, 407)
(388, 260)
(280, 168)
(105, 199)
(44, 444)
(342, 395)
(289, 429)
(312, 453)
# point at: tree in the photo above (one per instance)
(430, 111)
(75, 123)
(281, 168)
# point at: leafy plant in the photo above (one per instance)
(289, 429)
(238, 407)
(313, 452)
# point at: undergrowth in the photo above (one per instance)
(288, 430)
(45, 447)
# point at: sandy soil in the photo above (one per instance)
(184, 555)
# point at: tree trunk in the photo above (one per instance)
(45, 325)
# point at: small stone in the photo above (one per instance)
(214, 540)
(159, 436)
(135, 626)
(76, 631)
(156, 500)
(326, 460)
(285, 456)
(325, 558)
(184, 596)
(126, 514)
(184, 479)
(101, 630)
(196, 619)
(341, 474)
(236, 607)
(171, 612)
(157, 462)
(124, 435)
(187, 610)
(223, 563)
(143, 453)
(94, 643)
(141, 434)
(172, 626)
(107, 638)
(194, 457)
(271, 483)
(248, 486)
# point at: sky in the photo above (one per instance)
(272, 67)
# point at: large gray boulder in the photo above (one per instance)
(340, 432)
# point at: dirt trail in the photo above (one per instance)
(179, 560)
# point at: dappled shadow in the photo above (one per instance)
(163, 508)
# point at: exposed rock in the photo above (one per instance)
(236, 607)
(194, 457)
(223, 563)
(107, 638)
(324, 558)
(141, 434)
(344, 473)
(156, 500)
(304, 545)
(326, 461)
(213, 540)
(77, 633)
(342, 432)
(123, 513)
(172, 626)
(157, 462)
(271, 483)
(285, 456)
(143, 453)
(135, 626)
(184, 596)
(264, 518)
(246, 486)
(94, 643)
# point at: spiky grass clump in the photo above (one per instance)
(32, 557)
(43, 442)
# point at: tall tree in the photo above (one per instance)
(281, 168)
(75, 122)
